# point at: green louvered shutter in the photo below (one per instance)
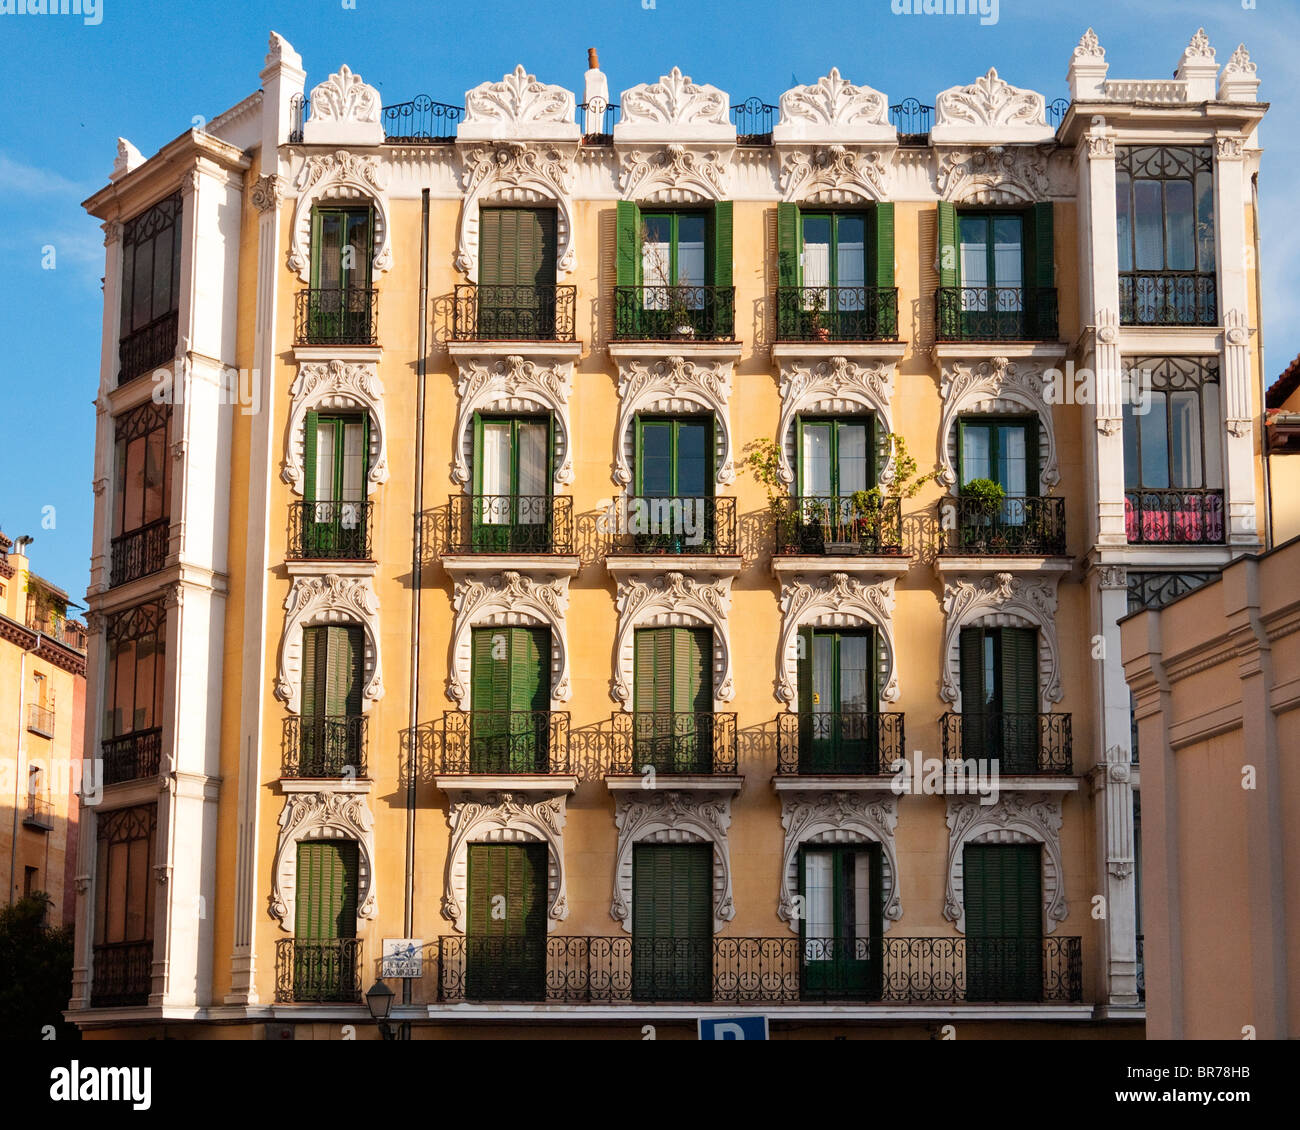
(627, 259)
(884, 245)
(787, 245)
(491, 247)
(344, 671)
(672, 921)
(325, 913)
(974, 723)
(1002, 900)
(505, 929)
(692, 693)
(1019, 677)
(722, 243)
(530, 698)
(313, 680)
(1044, 240)
(310, 426)
(949, 262)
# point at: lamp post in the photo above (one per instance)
(379, 1000)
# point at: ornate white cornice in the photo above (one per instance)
(835, 385)
(675, 174)
(518, 106)
(994, 175)
(834, 101)
(339, 176)
(990, 101)
(330, 599)
(339, 385)
(344, 111)
(325, 815)
(674, 101)
(833, 174)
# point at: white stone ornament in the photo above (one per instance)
(1014, 175)
(833, 109)
(675, 174)
(674, 104)
(340, 176)
(336, 385)
(323, 815)
(344, 111)
(990, 110)
(330, 599)
(519, 107)
(833, 174)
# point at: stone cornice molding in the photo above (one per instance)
(339, 176)
(336, 385)
(675, 173)
(997, 174)
(824, 386)
(834, 174)
(330, 599)
(323, 815)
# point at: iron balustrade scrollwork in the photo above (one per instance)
(40, 719)
(674, 313)
(329, 531)
(297, 117)
(996, 313)
(132, 757)
(673, 742)
(513, 742)
(510, 523)
(833, 525)
(1168, 298)
(140, 552)
(1056, 111)
(337, 316)
(39, 812)
(1015, 526)
(122, 974)
(677, 524)
(836, 313)
(912, 119)
(514, 313)
(1021, 743)
(839, 743)
(421, 120)
(598, 118)
(753, 120)
(1181, 516)
(151, 347)
(318, 971)
(324, 747)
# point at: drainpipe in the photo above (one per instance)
(18, 768)
(1263, 380)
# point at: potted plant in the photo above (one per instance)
(983, 502)
(817, 305)
(673, 304)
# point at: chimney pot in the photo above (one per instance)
(592, 62)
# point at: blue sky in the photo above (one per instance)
(148, 69)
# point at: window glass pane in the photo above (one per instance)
(115, 912)
(354, 461)
(331, 250)
(1153, 428)
(533, 442)
(1124, 219)
(1148, 226)
(860, 876)
(1185, 439)
(155, 468)
(1132, 470)
(1205, 221)
(1212, 431)
(976, 453)
(850, 257)
(819, 900)
(325, 461)
(855, 673)
(974, 257)
(852, 443)
(1008, 258)
(160, 300)
(816, 251)
(496, 466)
(142, 298)
(1179, 227)
(656, 459)
(133, 499)
(990, 668)
(356, 265)
(692, 459)
(815, 459)
(1013, 468)
(823, 680)
(137, 890)
(690, 252)
(145, 662)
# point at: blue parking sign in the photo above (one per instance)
(734, 1028)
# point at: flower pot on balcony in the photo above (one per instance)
(685, 329)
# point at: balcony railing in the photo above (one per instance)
(674, 742)
(673, 525)
(512, 742)
(334, 316)
(39, 813)
(70, 633)
(317, 971)
(1168, 298)
(674, 313)
(1141, 971)
(421, 120)
(148, 348)
(40, 719)
(827, 525)
(753, 119)
(514, 313)
(324, 747)
(996, 313)
(1174, 517)
(329, 531)
(912, 119)
(598, 119)
(781, 970)
(836, 313)
(1023, 744)
(1017, 527)
(140, 552)
(122, 974)
(132, 757)
(838, 743)
(510, 523)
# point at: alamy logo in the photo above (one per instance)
(683, 519)
(938, 776)
(91, 11)
(75, 1083)
(987, 10)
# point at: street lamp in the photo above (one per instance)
(379, 1000)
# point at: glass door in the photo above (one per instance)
(512, 504)
(842, 940)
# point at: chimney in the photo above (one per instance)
(595, 95)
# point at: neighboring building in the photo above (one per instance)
(42, 724)
(564, 382)
(1282, 443)
(1216, 676)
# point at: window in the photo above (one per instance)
(672, 699)
(838, 702)
(133, 692)
(673, 255)
(340, 305)
(336, 454)
(672, 921)
(1002, 886)
(325, 922)
(141, 492)
(835, 456)
(505, 929)
(333, 660)
(124, 905)
(151, 270)
(842, 926)
(516, 280)
(999, 696)
(510, 696)
(513, 456)
(1002, 450)
(31, 881)
(674, 461)
(992, 257)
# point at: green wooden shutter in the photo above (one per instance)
(1033, 484)
(692, 685)
(627, 259)
(327, 890)
(974, 723)
(1044, 241)
(530, 669)
(805, 668)
(492, 241)
(722, 243)
(310, 425)
(672, 921)
(482, 666)
(343, 677)
(884, 245)
(543, 224)
(505, 944)
(312, 682)
(949, 261)
(787, 244)
(1020, 670)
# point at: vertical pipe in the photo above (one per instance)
(18, 768)
(1263, 377)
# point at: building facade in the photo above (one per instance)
(567, 514)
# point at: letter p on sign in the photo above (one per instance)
(734, 1028)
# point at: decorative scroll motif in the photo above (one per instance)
(670, 816)
(518, 99)
(834, 101)
(968, 388)
(675, 174)
(839, 818)
(336, 385)
(1112, 577)
(996, 175)
(833, 174)
(1229, 148)
(515, 173)
(344, 97)
(1089, 47)
(325, 815)
(514, 383)
(672, 598)
(675, 101)
(339, 176)
(504, 817)
(1240, 63)
(330, 599)
(834, 600)
(508, 598)
(990, 101)
(1016, 818)
(267, 193)
(1199, 47)
(835, 385)
(1002, 599)
(1100, 145)
(669, 385)
(1155, 590)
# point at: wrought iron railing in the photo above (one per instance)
(996, 313)
(674, 313)
(148, 348)
(40, 719)
(1056, 111)
(122, 974)
(1013, 527)
(836, 313)
(1168, 298)
(297, 117)
(324, 747)
(1022, 743)
(780, 970)
(839, 743)
(600, 114)
(421, 120)
(70, 633)
(753, 119)
(676, 524)
(317, 971)
(912, 119)
(131, 757)
(1141, 971)
(510, 523)
(1183, 516)
(514, 313)
(329, 531)
(140, 552)
(513, 742)
(673, 742)
(830, 525)
(337, 316)
(39, 812)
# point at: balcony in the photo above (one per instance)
(779, 970)
(39, 814)
(1018, 527)
(139, 553)
(504, 742)
(1174, 517)
(510, 523)
(673, 743)
(829, 526)
(40, 720)
(838, 743)
(995, 313)
(1023, 744)
(324, 748)
(840, 313)
(132, 757)
(329, 531)
(676, 525)
(1168, 298)
(148, 348)
(674, 313)
(318, 971)
(122, 974)
(514, 313)
(334, 316)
